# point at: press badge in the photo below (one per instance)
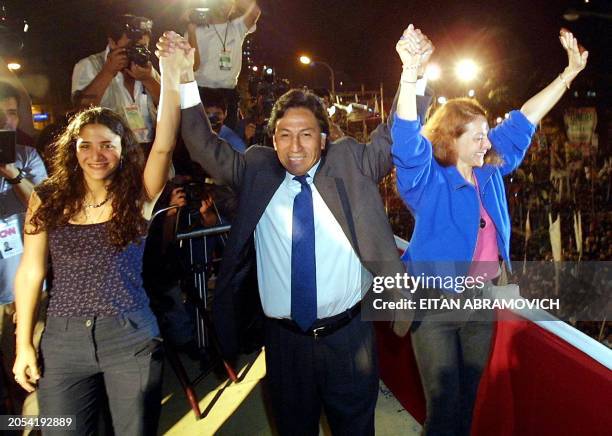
(10, 238)
(136, 122)
(225, 60)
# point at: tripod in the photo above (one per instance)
(197, 295)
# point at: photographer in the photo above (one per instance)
(18, 175)
(122, 77)
(218, 40)
(216, 109)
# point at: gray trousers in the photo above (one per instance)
(84, 359)
(451, 355)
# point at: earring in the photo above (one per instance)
(121, 163)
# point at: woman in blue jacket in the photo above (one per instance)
(449, 173)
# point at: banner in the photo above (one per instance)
(580, 124)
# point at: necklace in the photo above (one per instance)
(91, 219)
(95, 206)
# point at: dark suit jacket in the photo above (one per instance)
(347, 180)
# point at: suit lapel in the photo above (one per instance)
(334, 194)
(264, 186)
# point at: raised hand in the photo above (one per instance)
(174, 53)
(177, 198)
(116, 61)
(576, 54)
(414, 48)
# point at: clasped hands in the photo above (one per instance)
(415, 50)
(175, 55)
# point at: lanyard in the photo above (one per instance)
(224, 40)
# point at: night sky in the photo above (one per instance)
(515, 41)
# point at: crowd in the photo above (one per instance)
(150, 153)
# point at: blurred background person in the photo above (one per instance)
(17, 181)
(216, 109)
(218, 37)
(335, 131)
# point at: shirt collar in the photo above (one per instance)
(311, 173)
(482, 174)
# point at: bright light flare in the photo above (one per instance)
(305, 60)
(433, 72)
(442, 99)
(14, 66)
(466, 70)
(471, 93)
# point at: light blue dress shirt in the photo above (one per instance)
(341, 278)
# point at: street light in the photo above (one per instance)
(433, 72)
(466, 70)
(307, 61)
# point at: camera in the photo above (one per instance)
(8, 139)
(138, 54)
(215, 121)
(194, 193)
(199, 15)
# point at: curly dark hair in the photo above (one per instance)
(63, 192)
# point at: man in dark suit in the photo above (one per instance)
(313, 211)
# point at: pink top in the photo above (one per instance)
(486, 254)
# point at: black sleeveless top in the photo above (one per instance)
(91, 276)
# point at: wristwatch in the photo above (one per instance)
(17, 179)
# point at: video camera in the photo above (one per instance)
(11, 31)
(199, 15)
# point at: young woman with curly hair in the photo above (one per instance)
(91, 217)
(449, 173)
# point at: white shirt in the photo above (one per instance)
(210, 44)
(340, 276)
(12, 210)
(116, 96)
